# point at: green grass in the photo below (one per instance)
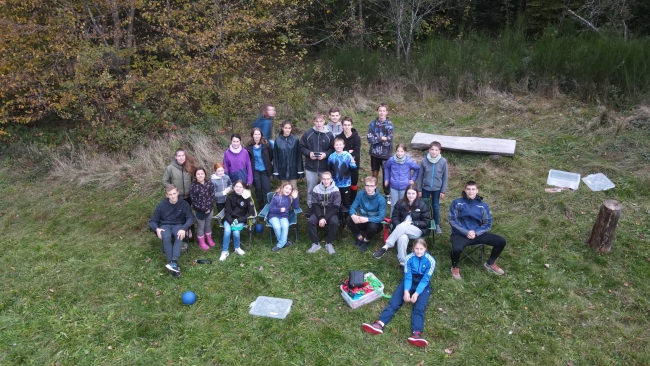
(85, 281)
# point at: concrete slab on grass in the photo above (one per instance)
(479, 145)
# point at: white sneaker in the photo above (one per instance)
(239, 251)
(224, 255)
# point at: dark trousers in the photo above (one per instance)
(435, 203)
(370, 228)
(420, 306)
(459, 242)
(172, 245)
(332, 228)
(346, 193)
(262, 184)
(355, 181)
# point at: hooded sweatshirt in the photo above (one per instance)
(433, 177)
(378, 129)
(175, 174)
(238, 165)
(314, 140)
(325, 201)
(220, 184)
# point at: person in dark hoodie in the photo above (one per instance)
(470, 221)
(316, 144)
(366, 214)
(171, 219)
(352, 144)
(380, 138)
(326, 200)
(287, 160)
(261, 156)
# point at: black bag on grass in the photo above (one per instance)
(356, 279)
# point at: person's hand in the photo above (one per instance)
(350, 151)
(411, 181)
(420, 194)
(407, 296)
(363, 219)
(294, 194)
(227, 190)
(471, 234)
(208, 211)
(322, 222)
(385, 183)
(352, 160)
(355, 218)
(312, 156)
(180, 234)
(384, 138)
(282, 209)
(414, 297)
(322, 156)
(442, 195)
(159, 232)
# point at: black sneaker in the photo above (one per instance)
(380, 252)
(276, 249)
(288, 244)
(176, 274)
(364, 246)
(358, 242)
(388, 202)
(401, 268)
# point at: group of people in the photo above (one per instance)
(331, 164)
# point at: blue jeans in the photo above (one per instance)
(417, 315)
(227, 230)
(172, 251)
(281, 229)
(435, 203)
(395, 196)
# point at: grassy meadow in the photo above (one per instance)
(85, 283)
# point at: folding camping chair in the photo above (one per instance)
(293, 218)
(250, 221)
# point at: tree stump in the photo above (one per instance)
(604, 229)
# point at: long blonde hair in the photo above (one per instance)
(278, 192)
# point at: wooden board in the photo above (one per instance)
(478, 145)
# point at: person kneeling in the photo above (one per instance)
(325, 203)
(172, 218)
(414, 288)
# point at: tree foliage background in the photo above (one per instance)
(108, 72)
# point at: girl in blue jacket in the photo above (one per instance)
(414, 288)
(401, 172)
(283, 201)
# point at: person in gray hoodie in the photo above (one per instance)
(222, 186)
(326, 200)
(432, 181)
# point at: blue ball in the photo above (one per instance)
(189, 298)
(259, 228)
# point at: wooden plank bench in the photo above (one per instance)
(478, 145)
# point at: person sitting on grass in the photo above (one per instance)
(367, 213)
(239, 207)
(414, 288)
(410, 220)
(325, 203)
(470, 221)
(172, 218)
(283, 201)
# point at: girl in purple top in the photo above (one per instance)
(283, 201)
(237, 162)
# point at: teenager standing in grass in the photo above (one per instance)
(261, 156)
(470, 221)
(316, 144)
(283, 201)
(380, 138)
(352, 145)
(238, 210)
(414, 288)
(170, 221)
(202, 193)
(265, 121)
(432, 181)
(222, 185)
(287, 160)
(366, 214)
(341, 164)
(334, 124)
(237, 162)
(179, 173)
(402, 172)
(410, 220)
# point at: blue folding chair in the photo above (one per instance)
(250, 221)
(293, 218)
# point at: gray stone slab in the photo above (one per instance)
(479, 145)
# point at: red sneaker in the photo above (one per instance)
(417, 340)
(374, 328)
(455, 272)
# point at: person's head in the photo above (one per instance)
(200, 174)
(411, 195)
(172, 193)
(434, 149)
(347, 125)
(326, 179)
(256, 137)
(286, 189)
(238, 186)
(319, 121)
(419, 247)
(219, 170)
(267, 111)
(235, 140)
(339, 144)
(382, 111)
(179, 155)
(471, 189)
(287, 127)
(370, 185)
(400, 150)
(335, 114)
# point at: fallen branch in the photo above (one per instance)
(585, 21)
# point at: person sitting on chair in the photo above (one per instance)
(325, 203)
(172, 218)
(410, 220)
(367, 212)
(470, 221)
